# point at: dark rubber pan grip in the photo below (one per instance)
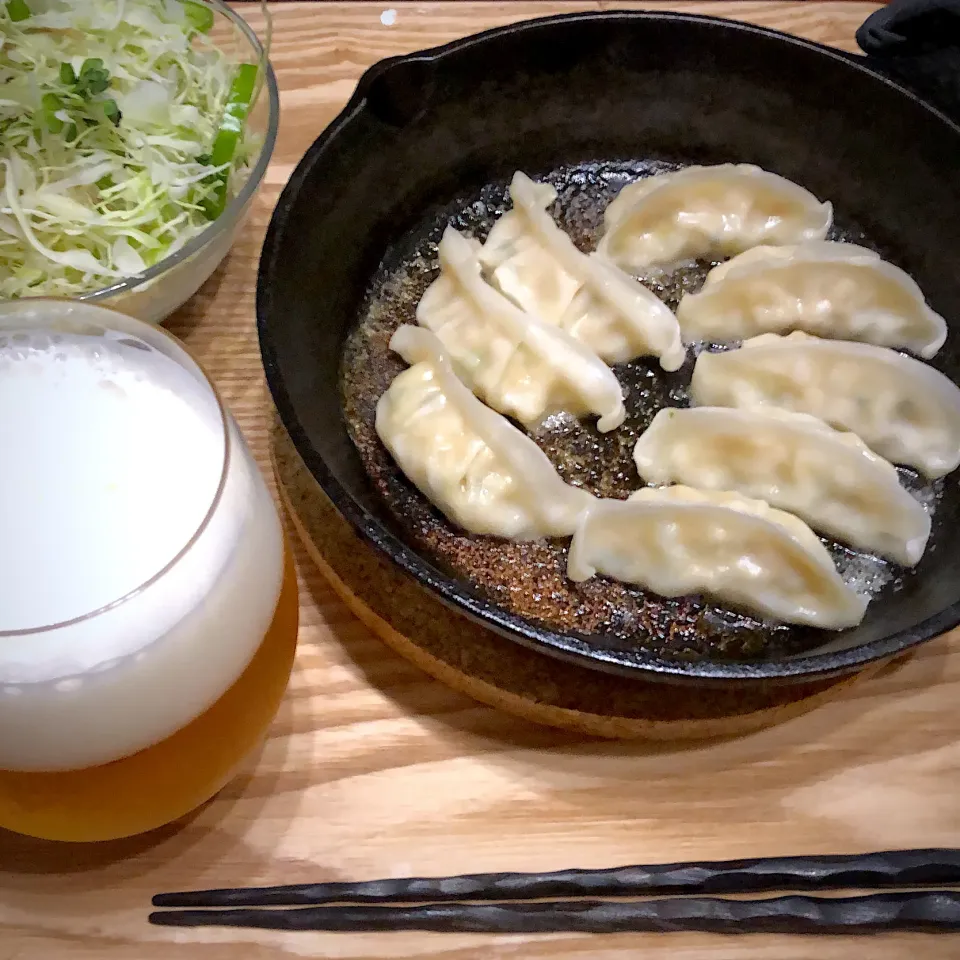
(917, 43)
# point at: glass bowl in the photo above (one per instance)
(153, 295)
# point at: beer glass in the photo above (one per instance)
(148, 604)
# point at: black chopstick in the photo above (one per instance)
(898, 868)
(928, 911)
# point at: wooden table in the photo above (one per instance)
(373, 770)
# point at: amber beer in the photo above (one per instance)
(148, 613)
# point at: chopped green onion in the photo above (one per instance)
(18, 10)
(199, 15)
(111, 112)
(51, 104)
(242, 91)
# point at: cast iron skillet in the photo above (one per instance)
(424, 130)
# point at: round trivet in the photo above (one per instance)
(504, 674)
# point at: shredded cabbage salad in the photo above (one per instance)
(122, 136)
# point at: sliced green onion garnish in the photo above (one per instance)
(111, 112)
(51, 103)
(18, 10)
(235, 114)
(200, 16)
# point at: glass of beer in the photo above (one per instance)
(148, 605)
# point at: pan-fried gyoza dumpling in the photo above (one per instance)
(901, 408)
(836, 290)
(713, 212)
(794, 462)
(537, 265)
(483, 473)
(509, 358)
(677, 541)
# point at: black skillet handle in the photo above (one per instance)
(917, 43)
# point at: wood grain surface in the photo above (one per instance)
(372, 769)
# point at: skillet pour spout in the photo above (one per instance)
(427, 138)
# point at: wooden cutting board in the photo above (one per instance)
(372, 769)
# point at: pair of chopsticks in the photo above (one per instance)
(569, 900)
